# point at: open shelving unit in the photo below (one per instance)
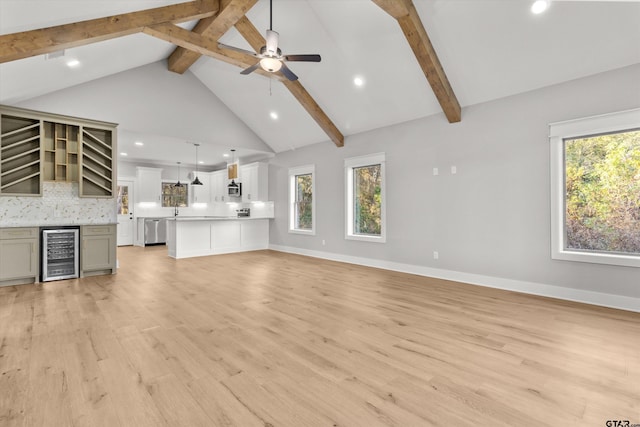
(96, 166)
(20, 164)
(36, 147)
(60, 143)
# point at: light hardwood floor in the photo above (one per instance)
(271, 339)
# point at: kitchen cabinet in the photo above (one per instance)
(37, 147)
(200, 193)
(20, 155)
(191, 237)
(219, 183)
(60, 150)
(19, 255)
(97, 164)
(149, 185)
(98, 253)
(255, 182)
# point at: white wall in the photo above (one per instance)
(152, 100)
(491, 219)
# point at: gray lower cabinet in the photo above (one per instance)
(98, 254)
(18, 255)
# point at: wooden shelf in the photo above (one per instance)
(20, 156)
(97, 169)
(17, 181)
(24, 141)
(19, 168)
(60, 140)
(104, 156)
(37, 147)
(23, 129)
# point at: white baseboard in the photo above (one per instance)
(570, 294)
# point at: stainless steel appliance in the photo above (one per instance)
(234, 189)
(155, 231)
(60, 255)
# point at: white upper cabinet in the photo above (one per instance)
(200, 193)
(218, 190)
(149, 185)
(255, 182)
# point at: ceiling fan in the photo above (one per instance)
(271, 57)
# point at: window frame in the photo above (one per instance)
(162, 184)
(349, 165)
(572, 129)
(293, 174)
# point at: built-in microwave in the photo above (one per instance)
(235, 190)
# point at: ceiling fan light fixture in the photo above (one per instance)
(270, 64)
(540, 6)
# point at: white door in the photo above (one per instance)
(125, 213)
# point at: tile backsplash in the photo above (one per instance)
(60, 204)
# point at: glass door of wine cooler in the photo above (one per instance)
(60, 258)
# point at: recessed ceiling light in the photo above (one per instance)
(358, 81)
(539, 6)
(124, 154)
(274, 115)
(139, 143)
(72, 63)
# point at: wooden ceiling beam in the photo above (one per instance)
(255, 39)
(404, 11)
(203, 45)
(47, 40)
(213, 27)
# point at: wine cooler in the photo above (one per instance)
(60, 258)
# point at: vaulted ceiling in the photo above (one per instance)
(488, 49)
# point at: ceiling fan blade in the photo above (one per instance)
(237, 49)
(250, 69)
(288, 73)
(272, 42)
(306, 58)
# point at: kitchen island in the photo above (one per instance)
(209, 235)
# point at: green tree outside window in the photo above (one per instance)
(602, 182)
(367, 193)
(303, 201)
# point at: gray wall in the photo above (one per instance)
(492, 217)
(152, 100)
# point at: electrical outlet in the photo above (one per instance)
(436, 255)
(323, 242)
(454, 170)
(435, 171)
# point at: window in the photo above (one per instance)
(595, 189)
(174, 196)
(365, 204)
(302, 209)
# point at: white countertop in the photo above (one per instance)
(215, 218)
(30, 224)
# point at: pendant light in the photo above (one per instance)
(232, 170)
(196, 181)
(178, 184)
(232, 173)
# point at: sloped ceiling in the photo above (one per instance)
(164, 110)
(488, 48)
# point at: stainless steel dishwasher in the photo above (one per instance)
(155, 231)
